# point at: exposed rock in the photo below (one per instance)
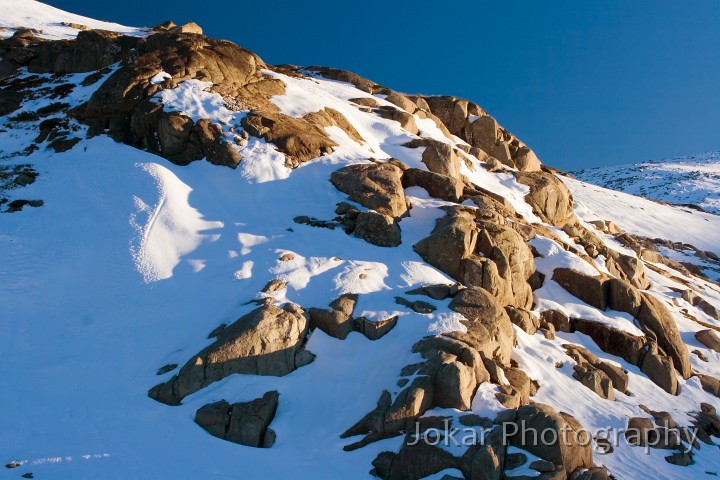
(378, 229)
(681, 459)
(455, 385)
(627, 268)
(366, 102)
(299, 139)
(549, 197)
(374, 330)
(439, 157)
(623, 297)
(413, 462)
(612, 340)
(452, 240)
(263, 342)
(374, 186)
(699, 302)
(437, 292)
(344, 76)
(654, 316)
(437, 185)
(591, 290)
(401, 101)
(526, 160)
(513, 262)
(336, 321)
(486, 460)
(523, 318)
(708, 338)
(710, 384)
(274, 285)
(489, 328)
(660, 370)
(557, 319)
(418, 306)
(594, 379)
(245, 423)
(515, 460)
(191, 27)
(569, 449)
(406, 120)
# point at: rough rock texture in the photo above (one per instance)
(453, 239)
(299, 139)
(374, 186)
(336, 321)
(438, 157)
(123, 107)
(654, 316)
(413, 462)
(591, 290)
(437, 185)
(378, 229)
(549, 197)
(709, 338)
(245, 423)
(263, 342)
(489, 328)
(472, 124)
(570, 454)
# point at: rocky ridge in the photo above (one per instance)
(488, 244)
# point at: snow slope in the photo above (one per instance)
(52, 23)
(133, 260)
(692, 179)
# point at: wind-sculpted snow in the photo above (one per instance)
(134, 265)
(168, 230)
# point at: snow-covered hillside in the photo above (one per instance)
(691, 179)
(217, 268)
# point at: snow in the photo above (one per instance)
(49, 20)
(132, 261)
(644, 217)
(692, 179)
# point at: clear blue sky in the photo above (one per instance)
(584, 83)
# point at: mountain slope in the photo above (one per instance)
(692, 179)
(178, 216)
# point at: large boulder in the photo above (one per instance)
(627, 268)
(374, 186)
(263, 342)
(378, 229)
(299, 139)
(245, 423)
(708, 338)
(591, 290)
(438, 157)
(513, 259)
(489, 329)
(568, 446)
(550, 198)
(437, 185)
(336, 321)
(612, 340)
(414, 461)
(453, 239)
(655, 316)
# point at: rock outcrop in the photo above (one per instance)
(245, 423)
(263, 342)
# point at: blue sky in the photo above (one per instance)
(584, 83)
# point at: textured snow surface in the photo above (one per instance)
(132, 261)
(692, 179)
(50, 21)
